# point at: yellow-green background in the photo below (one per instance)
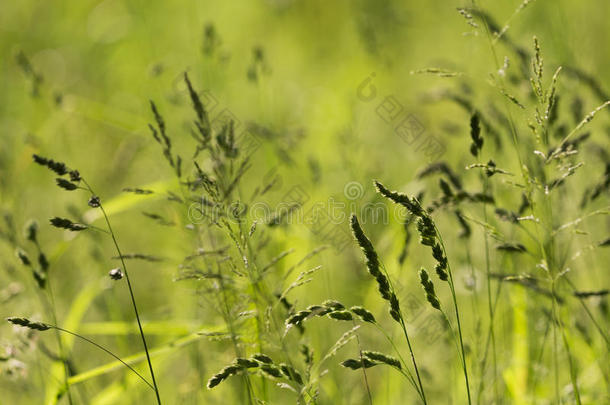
(105, 60)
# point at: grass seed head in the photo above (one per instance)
(202, 115)
(246, 363)
(75, 176)
(291, 373)
(410, 204)
(382, 358)
(335, 305)
(271, 370)
(475, 134)
(31, 231)
(364, 314)
(222, 375)
(372, 259)
(23, 257)
(65, 184)
(512, 247)
(341, 315)
(263, 358)
(429, 289)
(43, 262)
(26, 323)
(356, 364)
(297, 318)
(319, 310)
(427, 232)
(58, 167)
(94, 201)
(67, 224)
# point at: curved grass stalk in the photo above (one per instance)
(133, 300)
(137, 358)
(105, 350)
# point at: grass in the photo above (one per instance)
(256, 275)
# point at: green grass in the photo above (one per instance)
(248, 283)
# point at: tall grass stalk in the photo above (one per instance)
(546, 252)
(131, 294)
(457, 316)
(386, 289)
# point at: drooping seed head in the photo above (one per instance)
(298, 317)
(65, 184)
(246, 363)
(356, 364)
(67, 224)
(263, 358)
(335, 305)
(382, 358)
(57, 167)
(319, 310)
(291, 373)
(341, 315)
(410, 204)
(364, 314)
(26, 323)
(271, 370)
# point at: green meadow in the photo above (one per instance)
(310, 202)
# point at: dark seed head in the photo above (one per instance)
(65, 184)
(43, 262)
(364, 314)
(429, 289)
(31, 230)
(57, 167)
(336, 305)
(67, 224)
(23, 257)
(246, 363)
(94, 201)
(341, 315)
(356, 364)
(271, 370)
(75, 176)
(263, 358)
(441, 272)
(382, 358)
(26, 323)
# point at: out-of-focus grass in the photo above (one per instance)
(101, 62)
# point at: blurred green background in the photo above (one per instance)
(76, 80)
